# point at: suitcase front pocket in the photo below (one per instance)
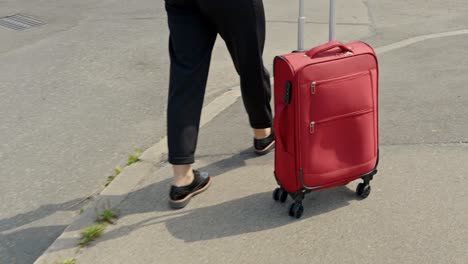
(340, 96)
(338, 144)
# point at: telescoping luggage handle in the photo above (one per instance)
(301, 20)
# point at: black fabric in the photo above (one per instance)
(194, 26)
(179, 193)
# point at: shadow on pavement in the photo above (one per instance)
(253, 213)
(24, 245)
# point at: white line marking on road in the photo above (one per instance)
(413, 40)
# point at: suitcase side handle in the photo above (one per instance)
(328, 46)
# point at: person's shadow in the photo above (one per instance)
(22, 243)
(253, 213)
(257, 212)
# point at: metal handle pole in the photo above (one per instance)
(301, 22)
(332, 20)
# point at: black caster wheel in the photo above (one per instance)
(276, 194)
(296, 210)
(279, 194)
(363, 190)
(283, 196)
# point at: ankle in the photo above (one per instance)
(183, 175)
(262, 133)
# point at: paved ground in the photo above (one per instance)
(77, 95)
(415, 213)
(412, 216)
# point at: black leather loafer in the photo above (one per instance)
(179, 197)
(263, 146)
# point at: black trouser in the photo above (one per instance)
(194, 25)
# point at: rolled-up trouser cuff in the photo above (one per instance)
(181, 160)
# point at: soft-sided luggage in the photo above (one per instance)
(326, 117)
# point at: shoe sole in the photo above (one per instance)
(179, 204)
(266, 150)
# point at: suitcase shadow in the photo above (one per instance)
(253, 213)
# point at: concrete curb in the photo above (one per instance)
(65, 246)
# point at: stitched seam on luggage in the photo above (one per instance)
(344, 116)
(348, 179)
(331, 183)
(347, 168)
(344, 78)
(336, 59)
(373, 115)
(298, 116)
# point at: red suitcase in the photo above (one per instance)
(326, 117)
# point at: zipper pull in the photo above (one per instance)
(312, 87)
(312, 127)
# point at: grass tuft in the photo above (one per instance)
(134, 158)
(108, 216)
(90, 233)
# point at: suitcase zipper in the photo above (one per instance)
(312, 127)
(312, 87)
(314, 84)
(312, 124)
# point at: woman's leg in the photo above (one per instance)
(190, 45)
(241, 24)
